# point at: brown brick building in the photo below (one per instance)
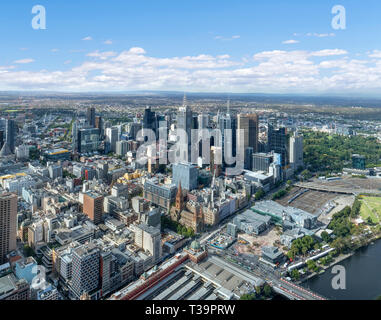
(93, 207)
(8, 224)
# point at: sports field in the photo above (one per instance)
(371, 207)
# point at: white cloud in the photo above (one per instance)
(320, 35)
(108, 42)
(375, 54)
(102, 55)
(24, 61)
(268, 71)
(290, 41)
(137, 50)
(329, 52)
(54, 50)
(222, 38)
(88, 38)
(4, 68)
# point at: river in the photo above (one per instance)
(363, 276)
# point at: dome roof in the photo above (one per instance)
(195, 245)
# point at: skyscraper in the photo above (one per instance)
(186, 174)
(74, 137)
(91, 116)
(149, 120)
(10, 132)
(133, 129)
(227, 122)
(1, 138)
(8, 224)
(99, 123)
(88, 140)
(296, 150)
(184, 122)
(111, 139)
(277, 141)
(203, 121)
(250, 124)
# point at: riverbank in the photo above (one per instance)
(339, 259)
(362, 276)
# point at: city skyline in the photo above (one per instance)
(193, 153)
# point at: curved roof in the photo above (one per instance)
(195, 245)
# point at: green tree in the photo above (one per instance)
(295, 274)
(306, 174)
(259, 194)
(28, 251)
(267, 290)
(258, 290)
(248, 296)
(311, 265)
(325, 236)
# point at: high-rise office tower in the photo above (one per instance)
(227, 122)
(10, 132)
(250, 125)
(93, 207)
(185, 122)
(88, 140)
(271, 125)
(133, 129)
(1, 138)
(203, 120)
(248, 162)
(186, 174)
(296, 150)
(8, 224)
(99, 123)
(86, 270)
(277, 141)
(149, 120)
(91, 116)
(74, 137)
(111, 139)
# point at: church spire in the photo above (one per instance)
(179, 199)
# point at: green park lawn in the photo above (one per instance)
(371, 207)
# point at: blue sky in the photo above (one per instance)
(269, 46)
